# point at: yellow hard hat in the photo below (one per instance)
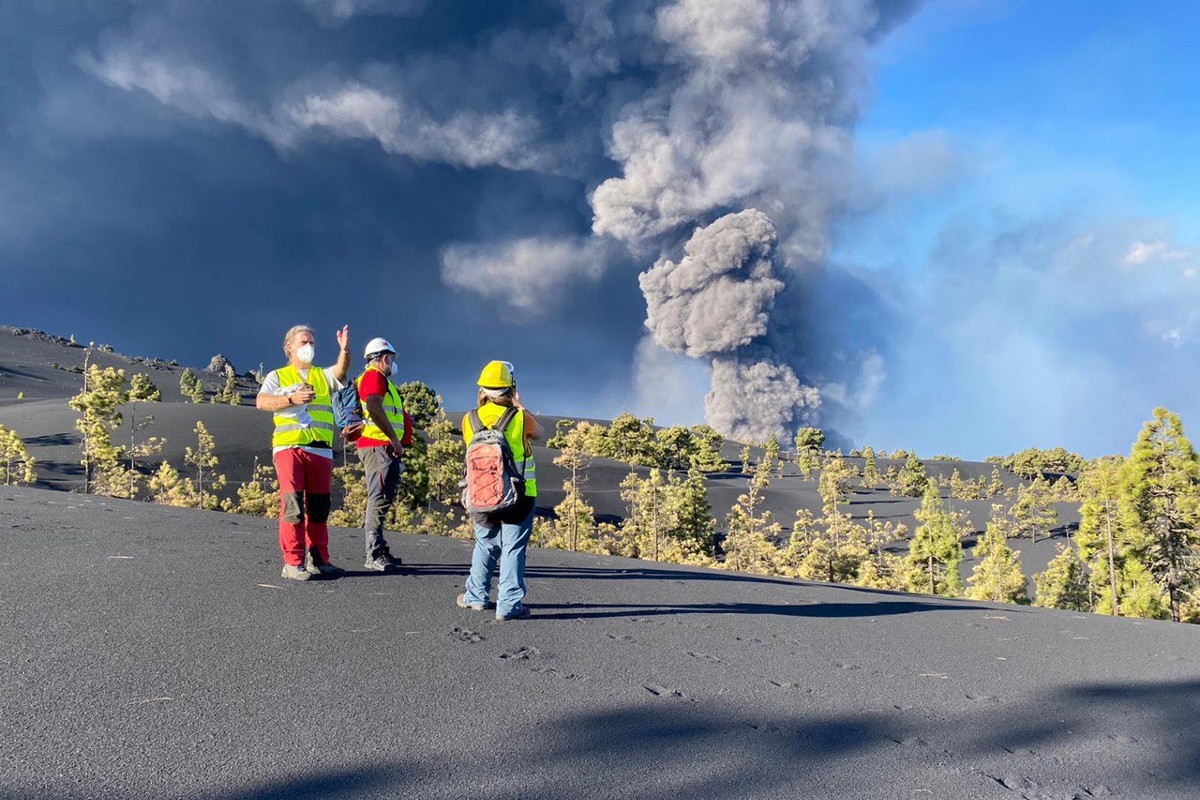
(497, 375)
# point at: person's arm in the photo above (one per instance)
(271, 399)
(342, 368)
(407, 439)
(375, 410)
(533, 428)
(278, 402)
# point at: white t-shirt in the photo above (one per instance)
(271, 386)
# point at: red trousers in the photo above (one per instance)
(304, 481)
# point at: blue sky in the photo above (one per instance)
(985, 212)
(1049, 126)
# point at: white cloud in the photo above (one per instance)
(351, 110)
(527, 274)
(1155, 252)
(468, 138)
(337, 11)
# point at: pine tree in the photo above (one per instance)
(574, 526)
(445, 459)
(773, 451)
(190, 386)
(561, 429)
(808, 449)
(750, 532)
(633, 440)
(650, 514)
(575, 459)
(707, 454)
(100, 403)
(1160, 496)
(800, 542)
(1064, 584)
(1034, 511)
(141, 388)
(259, 496)
(812, 439)
(1103, 540)
(146, 448)
(870, 474)
(995, 486)
(421, 402)
(746, 466)
(204, 459)
(935, 550)
(912, 481)
(169, 488)
(353, 510)
(675, 447)
(997, 577)
(228, 394)
(690, 538)
(16, 467)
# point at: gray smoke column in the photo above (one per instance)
(755, 113)
(714, 304)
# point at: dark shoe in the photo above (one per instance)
(395, 561)
(462, 603)
(379, 564)
(295, 572)
(325, 570)
(520, 612)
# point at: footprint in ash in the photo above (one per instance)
(465, 635)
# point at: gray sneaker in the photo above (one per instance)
(295, 572)
(379, 564)
(520, 612)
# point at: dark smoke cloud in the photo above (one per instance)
(441, 164)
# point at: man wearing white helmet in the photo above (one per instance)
(386, 432)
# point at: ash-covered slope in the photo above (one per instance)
(38, 365)
(154, 653)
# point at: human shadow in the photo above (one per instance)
(577, 611)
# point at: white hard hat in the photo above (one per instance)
(378, 346)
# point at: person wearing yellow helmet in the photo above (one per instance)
(502, 537)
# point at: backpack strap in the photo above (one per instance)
(476, 423)
(505, 418)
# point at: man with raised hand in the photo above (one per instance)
(300, 399)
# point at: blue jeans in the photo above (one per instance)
(504, 542)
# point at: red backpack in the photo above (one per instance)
(493, 482)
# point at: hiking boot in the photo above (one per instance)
(295, 572)
(520, 612)
(325, 570)
(462, 603)
(379, 564)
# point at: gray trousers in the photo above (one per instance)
(383, 471)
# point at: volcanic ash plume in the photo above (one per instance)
(716, 303)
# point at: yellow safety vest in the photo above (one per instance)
(490, 414)
(289, 431)
(393, 407)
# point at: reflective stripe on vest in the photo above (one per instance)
(289, 431)
(490, 414)
(393, 409)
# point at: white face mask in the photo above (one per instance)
(305, 353)
(392, 370)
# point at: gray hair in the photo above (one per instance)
(294, 331)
